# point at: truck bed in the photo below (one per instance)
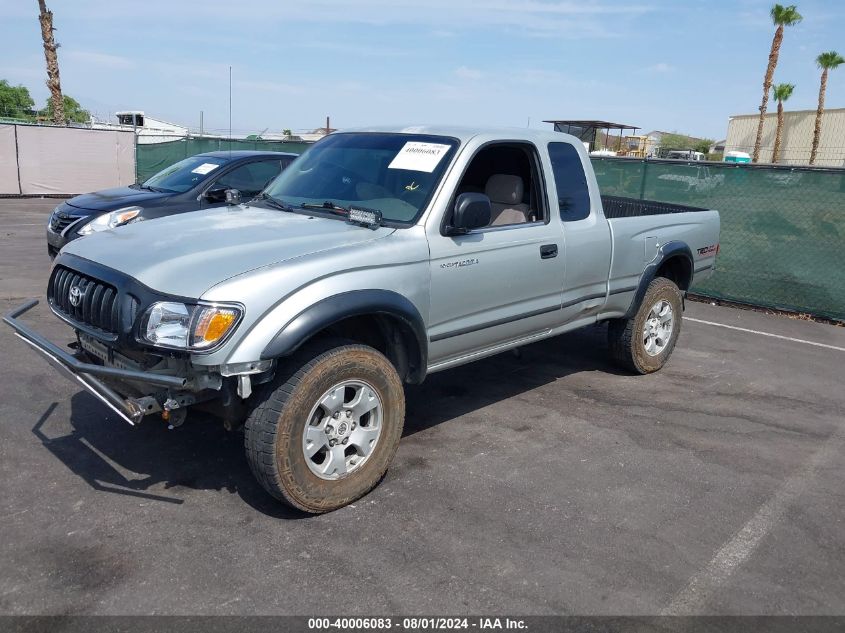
(639, 228)
(619, 207)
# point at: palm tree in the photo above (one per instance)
(781, 17)
(782, 92)
(46, 18)
(826, 61)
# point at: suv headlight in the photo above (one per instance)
(110, 220)
(187, 326)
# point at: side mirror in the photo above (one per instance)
(233, 196)
(472, 211)
(216, 194)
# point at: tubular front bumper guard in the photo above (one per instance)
(86, 373)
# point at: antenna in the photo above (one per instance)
(230, 111)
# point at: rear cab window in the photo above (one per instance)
(573, 195)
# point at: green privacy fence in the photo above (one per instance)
(153, 157)
(783, 228)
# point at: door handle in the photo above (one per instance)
(547, 251)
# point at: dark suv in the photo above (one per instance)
(195, 183)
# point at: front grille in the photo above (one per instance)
(96, 302)
(59, 221)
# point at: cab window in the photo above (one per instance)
(573, 196)
(508, 174)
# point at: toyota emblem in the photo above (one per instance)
(75, 295)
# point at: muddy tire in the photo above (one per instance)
(643, 343)
(324, 431)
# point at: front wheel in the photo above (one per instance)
(324, 432)
(644, 342)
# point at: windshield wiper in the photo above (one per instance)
(153, 189)
(273, 202)
(328, 205)
(360, 216)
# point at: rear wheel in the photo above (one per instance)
(324, 432)
(644, 342)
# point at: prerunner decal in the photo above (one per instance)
(472, 261)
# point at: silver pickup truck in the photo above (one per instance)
(378, 257)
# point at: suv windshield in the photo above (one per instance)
(392, 173)
(185, 174)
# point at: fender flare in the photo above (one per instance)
(336, 308)
(664, 253)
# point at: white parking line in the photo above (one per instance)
(692, 599)
(785, 338)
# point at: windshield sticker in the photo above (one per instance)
(204, 168)
(415, 156)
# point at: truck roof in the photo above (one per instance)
(464, 133)
(245, 153)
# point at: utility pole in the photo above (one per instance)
(201, 122)
(45, 17)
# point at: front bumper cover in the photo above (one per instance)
(87, 373)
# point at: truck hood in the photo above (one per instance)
(112, 199)
(187, 254)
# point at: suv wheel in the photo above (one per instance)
(644, 342)
(323, 433)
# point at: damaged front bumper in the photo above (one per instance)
(90, 375)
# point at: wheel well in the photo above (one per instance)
(677, 269)
(390, 335)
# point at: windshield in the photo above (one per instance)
(186, 174)
(392, 173)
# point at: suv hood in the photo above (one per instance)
(111, 199)
(187, 254)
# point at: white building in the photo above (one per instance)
(148, 129)
(797, 139)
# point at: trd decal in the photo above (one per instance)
(709, 250)
(472, 261)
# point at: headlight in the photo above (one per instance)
(53, 220)
(188, 327)
(110, 220)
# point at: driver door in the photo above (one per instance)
(500, 283)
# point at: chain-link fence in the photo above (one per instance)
(783, 228)
(153, 157)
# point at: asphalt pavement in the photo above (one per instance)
(542, 483)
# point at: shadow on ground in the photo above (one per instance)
(153, 463)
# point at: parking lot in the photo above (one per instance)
(541, 483)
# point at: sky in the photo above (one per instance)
(671, 65)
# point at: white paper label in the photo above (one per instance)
(419, 156)
(204, 168)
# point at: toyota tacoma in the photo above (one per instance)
(378, 257)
